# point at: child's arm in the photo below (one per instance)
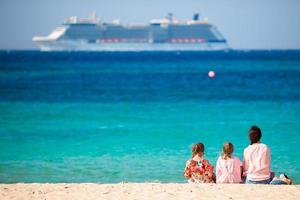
(208, 168)
(245, 165)
(218, 170)
(187, 170)
(242, 169)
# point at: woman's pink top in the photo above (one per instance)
(229, 171)
(257, 162)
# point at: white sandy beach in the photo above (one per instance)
(147, 191)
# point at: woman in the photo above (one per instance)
(257, 159)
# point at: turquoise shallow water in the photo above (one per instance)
(112, 121)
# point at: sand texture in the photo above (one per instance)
(149, 191)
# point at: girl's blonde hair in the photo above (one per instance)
(227, 150)
(197, 148)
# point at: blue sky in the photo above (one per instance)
(246, 24)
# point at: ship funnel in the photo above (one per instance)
(93, 15)
(196, 17)
(170, 17)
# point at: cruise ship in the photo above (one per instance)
(168, 34)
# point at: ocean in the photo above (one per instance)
(133, 117)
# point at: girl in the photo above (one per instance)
(228, 168)
(198, 169)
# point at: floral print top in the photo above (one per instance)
(199, 171)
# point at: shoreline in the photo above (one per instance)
(142, 191)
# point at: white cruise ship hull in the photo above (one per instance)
(71, 45)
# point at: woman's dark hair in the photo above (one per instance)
(227, 150)
(197, 148)
(254, 134)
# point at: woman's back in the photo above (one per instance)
(257, 162)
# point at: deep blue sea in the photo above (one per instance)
(112, 117)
